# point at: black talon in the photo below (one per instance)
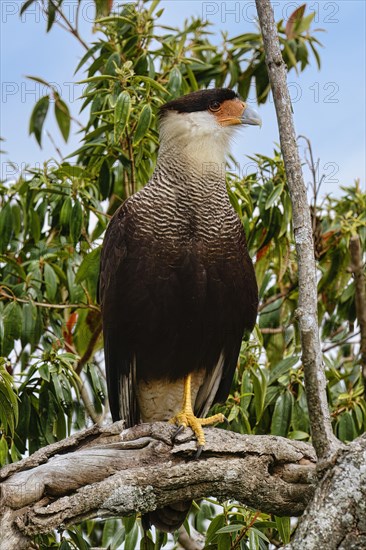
(226, 421)
(178, 431)
(199, 451)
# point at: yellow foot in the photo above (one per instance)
(186, 418)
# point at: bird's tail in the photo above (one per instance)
(169, 518)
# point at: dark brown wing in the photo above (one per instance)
(120, 362)
(232, 308)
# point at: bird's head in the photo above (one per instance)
(202, 123)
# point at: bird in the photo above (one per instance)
(177, 285)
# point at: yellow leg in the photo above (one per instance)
(187, 418)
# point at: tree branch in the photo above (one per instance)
(360, 297)
(90, 348)
(336, 517)
(5, 294)
(324, 441)
(103, 472)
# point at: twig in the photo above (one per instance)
(72, 30)
(313, 167)
(89, 407)
(274, 298)
(323, 438)
(360, 297)
(89, 350)
(270, 330)
(187, 542)
(340, 342)
(244, 532)
(45, 304)
(54, 144)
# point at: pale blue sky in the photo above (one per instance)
(329, 105)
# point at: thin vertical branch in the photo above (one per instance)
(357, 268)
(324, 441)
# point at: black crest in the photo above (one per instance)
(198, 101)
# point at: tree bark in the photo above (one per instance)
(103, 472)
(324, 441)
(336, 517)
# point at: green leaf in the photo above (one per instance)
(39, 80)
(113, 533)
(230, 529)
(154, 84)
(12, 318)
(65, 214)
(233, 413)
(298, 435)
(29, 318)
(359, 416)
(283, 367)
(51, 14)
(104, 179)
(143, 124)
(132, 535)
(175, 81)
(16, 214)
(38, 117)
(215, 525)
(89, 266)
(283, 526)
(346, 427)
(275, 194)
(35, 225)
(112, 62)
(291, 61)
(6, 226)
(121, 114)
(4, 451)
(146, 543)
(87, 56)
(223, 542)
(305, 23)
(96, 381)
(44, 372)
(259, 534)
(58, 389)
(76, 222)
(192, 78)
(26, 5)
(9, 413)
(63, 118)
(51, 282)
(246, 391)
(282, 414)
(260, 387)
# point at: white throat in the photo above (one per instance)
(196, 136)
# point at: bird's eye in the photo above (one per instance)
(214, 106)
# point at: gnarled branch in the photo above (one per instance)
(107, 472)
(336, 518)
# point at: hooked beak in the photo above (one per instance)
(250, 116)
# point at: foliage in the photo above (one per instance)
(52, 222)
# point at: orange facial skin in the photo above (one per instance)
(229, 112)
